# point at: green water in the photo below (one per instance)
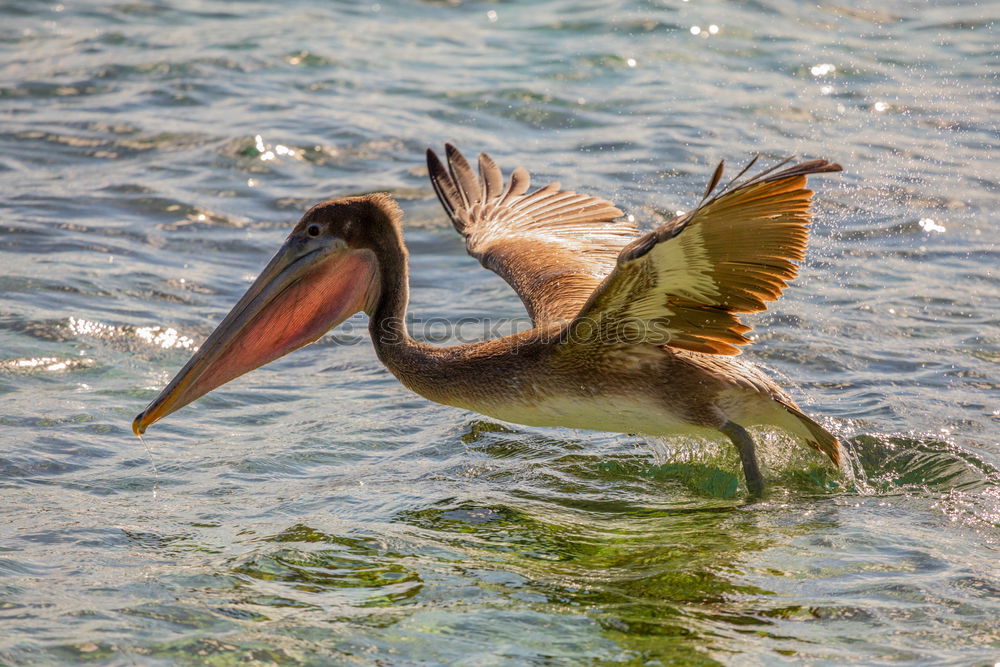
(154, 154)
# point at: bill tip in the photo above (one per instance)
(137, 426)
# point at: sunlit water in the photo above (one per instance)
(153, 155)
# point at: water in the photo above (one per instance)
(154, 154)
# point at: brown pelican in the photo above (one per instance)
(633, 333)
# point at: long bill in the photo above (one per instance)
(306, 289)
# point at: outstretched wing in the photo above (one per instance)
(553, 246)
(683, 283)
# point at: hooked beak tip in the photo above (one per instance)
(137, 426)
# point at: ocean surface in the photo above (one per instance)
(154, 154)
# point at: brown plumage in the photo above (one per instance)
(633, 333)
(553, 246)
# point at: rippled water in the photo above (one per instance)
(154, 153)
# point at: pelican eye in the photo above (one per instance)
(313, 230)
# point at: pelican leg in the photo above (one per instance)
(748, 455)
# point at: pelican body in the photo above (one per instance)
(633, 333)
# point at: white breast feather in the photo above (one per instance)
(598, 413)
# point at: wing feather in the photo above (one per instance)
(520, 181)
(683, 284)
(491, 176)
(462, 175)
(553, 246)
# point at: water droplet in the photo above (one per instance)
(929, 225)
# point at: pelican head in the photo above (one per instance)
(327, 270)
